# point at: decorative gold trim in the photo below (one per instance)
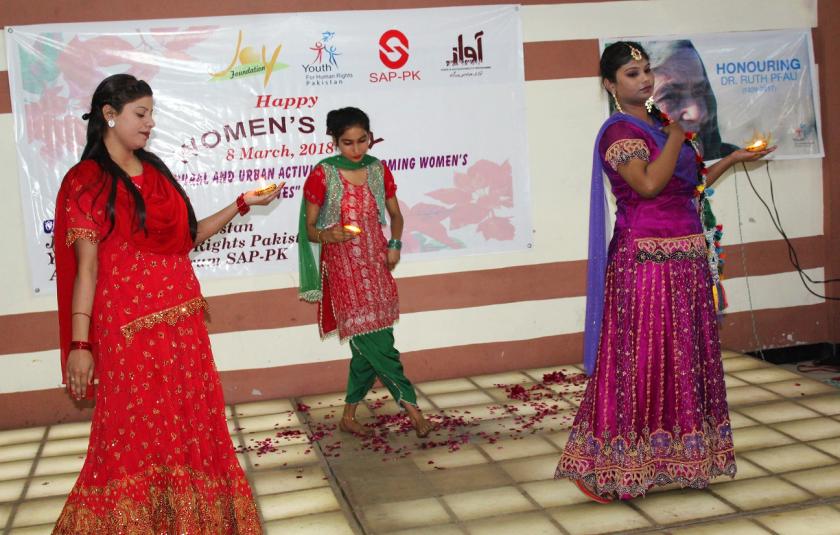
(169, 315)
(74, 234)
(624, 150)
(179, 499)
(663, 249)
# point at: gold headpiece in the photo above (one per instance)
(635, 53)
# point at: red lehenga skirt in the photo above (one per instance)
(160, 459)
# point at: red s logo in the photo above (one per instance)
(393, 49)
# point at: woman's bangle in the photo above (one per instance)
(394, 244)
(80, 344)
(318, 236)
(81, 314)
(241, 205)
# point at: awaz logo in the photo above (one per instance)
(250, 63)
(467, 55)
(393, 49)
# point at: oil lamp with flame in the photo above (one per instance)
(265, 189)
(759, 142)
(353, 228)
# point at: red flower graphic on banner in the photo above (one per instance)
(53, 116)
(83, 64)
(474, 199)
(47, 121)
(176, 41)
(484, 188)
(497, 228)
(423, 227)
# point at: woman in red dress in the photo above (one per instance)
(160, 459)
(345, 201)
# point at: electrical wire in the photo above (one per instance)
(777, 223)
(758, 344)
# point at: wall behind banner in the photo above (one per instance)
(479, 314)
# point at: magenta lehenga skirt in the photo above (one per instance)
(654, 411)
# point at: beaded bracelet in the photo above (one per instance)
(241, 205)
(394, 244)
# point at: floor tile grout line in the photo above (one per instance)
(801, 443)
(341, 496)
(642, 513)
(10, 522)
(795, 400)
(452, 516)
(249, 467)
(782, 475)
(749, 515)
(779, 473)
(518, 486)
(804, 442)
(491, 461)
(735, 506)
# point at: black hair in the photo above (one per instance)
(117, 91)
(616, 55)
(340, 120)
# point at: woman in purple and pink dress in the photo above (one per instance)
(654, 411)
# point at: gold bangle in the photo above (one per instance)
(318, 236)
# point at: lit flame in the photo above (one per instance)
(353, 228)
(265, 190)
(759, 142)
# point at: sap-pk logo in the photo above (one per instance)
(393, 49)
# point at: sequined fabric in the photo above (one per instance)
(74, 234)
(163, 500)
(664, 249)
(654, 412)
(624, 150)
(359, 291)
(160, 459)
(170, 315)
(330, 213)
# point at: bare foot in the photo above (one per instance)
(350, 425)
(423, 427)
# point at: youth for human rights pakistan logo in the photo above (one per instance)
(326, 45)
(247, 62)
(323, 70)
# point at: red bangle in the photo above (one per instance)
(241, 205)
(79, 344)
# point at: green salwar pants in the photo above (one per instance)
(374, 355)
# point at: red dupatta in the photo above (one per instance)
(80, 213)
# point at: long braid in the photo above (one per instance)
(712, 231)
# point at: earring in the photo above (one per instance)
(617, 105)
(112, 123)
(649, 104)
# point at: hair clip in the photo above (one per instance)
(635, 53)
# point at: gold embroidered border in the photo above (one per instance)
(624, 150)
(169, 315)
(74, 234)
(223, 505)
(661, 250)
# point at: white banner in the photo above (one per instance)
(733, 87)
(241, 101)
